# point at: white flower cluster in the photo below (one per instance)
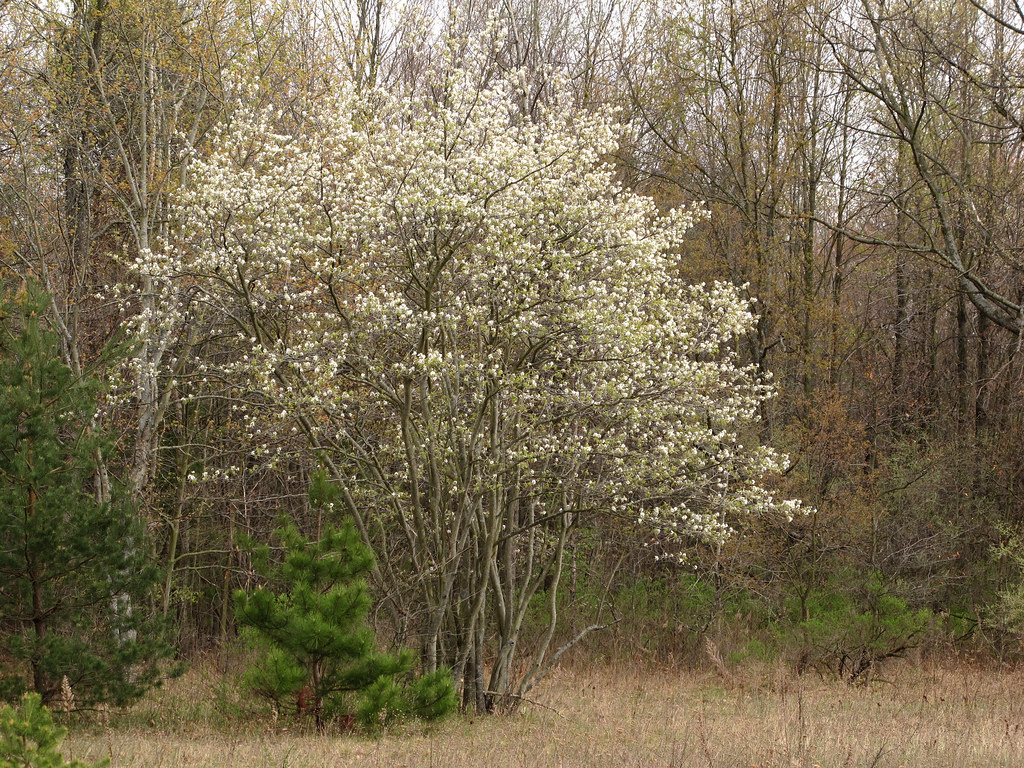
(468, 309)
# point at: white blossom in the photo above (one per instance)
(467, 308)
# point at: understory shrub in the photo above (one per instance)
(851, 624)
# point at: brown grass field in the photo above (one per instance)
(908, 715)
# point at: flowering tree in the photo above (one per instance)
(481, 333)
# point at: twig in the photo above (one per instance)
(520, 698)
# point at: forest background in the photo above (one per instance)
(861, 167)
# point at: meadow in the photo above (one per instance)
(907, 715)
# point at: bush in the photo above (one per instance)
(853, 624)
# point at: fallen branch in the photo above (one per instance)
(532, 680)
(520, 698)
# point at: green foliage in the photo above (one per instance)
(853, 623)
(313, 636)
(755, 649)
(432, 695)
(427, 698)
(73, 561)
(382, 703)
(29, 738)
(1009, 607)
(277, 676)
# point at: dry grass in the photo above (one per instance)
(943, 716)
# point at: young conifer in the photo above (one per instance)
(313, 638)
(74, 575)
